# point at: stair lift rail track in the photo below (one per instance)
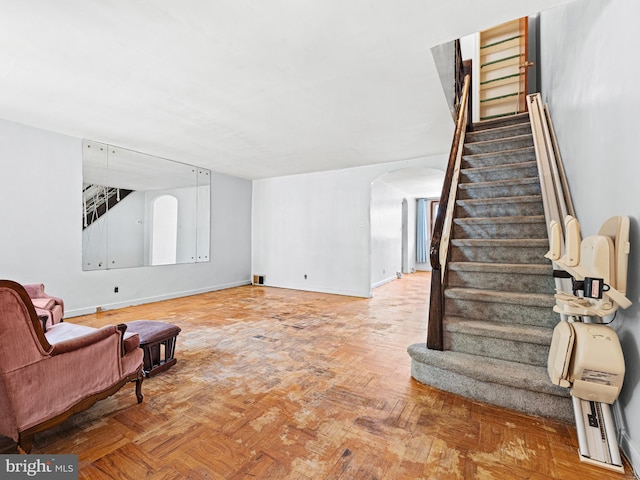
(557, 202)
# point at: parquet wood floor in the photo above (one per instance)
(280, 384)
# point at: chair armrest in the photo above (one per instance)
(34, 290)
(83, 341)
(122, 328)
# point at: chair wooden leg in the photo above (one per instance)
(25, 443)
(139, 380)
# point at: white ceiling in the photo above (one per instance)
(244, 87)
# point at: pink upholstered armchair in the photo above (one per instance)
(46, 378)
(46, 305)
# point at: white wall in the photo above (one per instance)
(386, 232)
(589, 78)
(41, 241)
(319, 225)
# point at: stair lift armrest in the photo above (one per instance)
(572, 242)
(555, 241)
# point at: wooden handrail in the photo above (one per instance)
(439, 248)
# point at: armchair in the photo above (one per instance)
(71, 367)
(48, 307)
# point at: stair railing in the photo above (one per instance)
(439, 250)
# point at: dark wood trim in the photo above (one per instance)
(435, 339)
(436, 306)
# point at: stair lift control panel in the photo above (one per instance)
(585, 355)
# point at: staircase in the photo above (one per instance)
(98, 199)
(498, 319)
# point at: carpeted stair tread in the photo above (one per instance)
(498, 132)
(502, 268)
(509, 298)
(495, 220)
(501, 183)
(506, 331)
(513, 277)
(500, 206)
(500, 188)
(499, 200)
(498, 122)
(498, 144)
(498, 168)
(491, 370)
(499, 158)
(501, 242)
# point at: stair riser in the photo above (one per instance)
(507, 173)
(510, 350)
(519, 209)
(500, 132)
(529, 255)
(505, 282)
(526, 401)
(494, 191)
(539, 316)
(499, 158)
(497, 146)
(500, 231)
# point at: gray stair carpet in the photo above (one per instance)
(498, 318)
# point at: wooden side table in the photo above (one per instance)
(156, 338)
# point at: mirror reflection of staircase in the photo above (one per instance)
(98, 199)
(498, 319)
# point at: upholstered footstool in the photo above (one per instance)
(155, 336)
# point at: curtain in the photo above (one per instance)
(422, 229)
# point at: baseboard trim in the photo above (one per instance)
(632, 452)
(329, 291)
(384, 282)
(156, 298)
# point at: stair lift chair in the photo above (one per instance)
(585, 355)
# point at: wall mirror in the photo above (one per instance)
(141, 210)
